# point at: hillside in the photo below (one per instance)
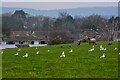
(78, 64)
(84, 11)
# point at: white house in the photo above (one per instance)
(15, 44)
(38, 43)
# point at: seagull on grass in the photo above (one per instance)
(102, 48)
(91, 50)
(103, 56)
(119, 54)
(36, 48)
(105, 49)
(37, 52)
(115, 49)
(71, 51)
(26, 55)
(1, 52)
(62, 55)
(19, 49)
(48, 50)
(16, 54)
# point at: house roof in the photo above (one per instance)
(89, 33)
(20, 38)
(29, 35)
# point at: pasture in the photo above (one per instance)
(47, 64)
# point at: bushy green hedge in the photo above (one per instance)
(55, 41)
(60, 41)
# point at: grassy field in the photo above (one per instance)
(78, 64)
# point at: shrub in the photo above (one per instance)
(54, 41)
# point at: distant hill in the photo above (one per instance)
(84, 11)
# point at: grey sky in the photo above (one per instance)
(57, 5)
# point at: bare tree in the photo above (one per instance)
(114, 23)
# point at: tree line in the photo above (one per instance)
(62, 27)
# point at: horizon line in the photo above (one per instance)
(60, 8)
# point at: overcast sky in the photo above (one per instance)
(60, 0)
(57, 5)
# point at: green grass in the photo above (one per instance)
(79, 64)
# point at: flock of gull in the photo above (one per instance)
(101, 48)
